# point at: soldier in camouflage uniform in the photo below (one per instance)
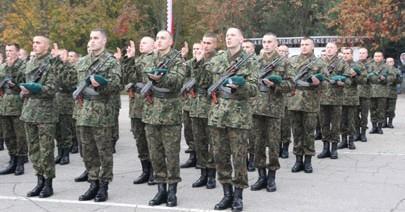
(304, 104)
(286, 120)
(351, 99)
(379, 76)
(10, 110)
(73, 59)
(331, 102)
(66, 82)
(134, 71)
(364, 99)
(392, 94)
(101, 71)
(230, 119)
(268, 113)
(40, 115)
(162, 118)
(199, 70)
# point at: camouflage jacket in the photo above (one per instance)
(41, 107)
(379, 88)
(66, 82)
(98, 112)
(392, 87)
(166, 110)
(351, 96)
(235, 112)
(201, 72)
(332, 94)
(305, 99)
(364, 89)
(271, 103)
(11, 103)
(187, 75)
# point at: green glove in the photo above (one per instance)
(236, 80)
(160, 71)
(338, 78)
(276, 79)
(32, 87)
(357, 69)
(101, 80)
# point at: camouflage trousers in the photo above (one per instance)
(164, 151)
(230, 142)
(362, 113)
(115, 135)
(330, 116)
(348, 124)
(14, 134)
(286, 127)
(97, 152)
(138, 130)
(390, 107)
(202, 145)
(303, 126)
(267, 134)
(251, 142)
(41, 147)
(188, 129)
(377, 109)
(79, 143)
(64, 131)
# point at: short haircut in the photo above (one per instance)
(379, 52)
(211, 35)
(270, 34)
(102, 31)
(237, 29)
(169, 33)
(308, 38)
(347, 48)
(16, 46)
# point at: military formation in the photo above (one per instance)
(239, 111)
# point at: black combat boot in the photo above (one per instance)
(308, 164)
(299, 165)
(379, 128)
(161, 195)
(261, 182)
(390, 125)
(343, 143)
(25, 158)
(12, 164)
(280, 149)
(374, 128)
(1, 144)
(202, 181)
(151, 179)
(251, 163)
(284, 152)
(237, 204)
(38, 188)
(384, 124)
(83, 177)
(326, 150)
(318, 133)
(351, 145)
(75, 147)
(357, 136)
(188, 150)
(102, 193)
(334, 152)
(59, 156)
(191, 162)
(211, 182)
(363, 135)
(144, 177)
(19, 169)
(271, 181)
(171, 195)
(114, 144)
(226, 201)
(47, 190)
(65, 156)
(91, 192)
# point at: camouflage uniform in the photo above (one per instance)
(364, 101)
(163, 121)
(286, 125)
(95, 117)
(230, 121)
(392, 96)
(40, 116)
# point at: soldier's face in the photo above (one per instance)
(209, 44)
(11, 53)
(378, 57)
(233, 38)
(363, 54)
(269, 44)
(390, 62)
(331, 49)
(307, 47)
(197, 49)
(72, 58)
(40, 45)
(347, 55)
(163, 41)
(146, 45)
(283, 51)
(248, 47)
(97, 41)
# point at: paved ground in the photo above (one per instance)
(369, 179)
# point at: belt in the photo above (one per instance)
(92, 98)
(164, 95)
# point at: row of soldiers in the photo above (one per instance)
(231, 97)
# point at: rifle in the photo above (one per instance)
(302, 73)
(229, 72)
(188, 87)
(267, 70)
(147, 89)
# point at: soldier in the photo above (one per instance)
(135, 74)
(268, 112)
(351, 99)
(283, 51)
(364, 98)
(23, 54)
(230, 119)
(304, 104)
(73, 59)
(11, 74)
(200, 72)
(380, 76)
(40, 115)
(94, 119)
(162, 118)
(331, 102)
(392, 94)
